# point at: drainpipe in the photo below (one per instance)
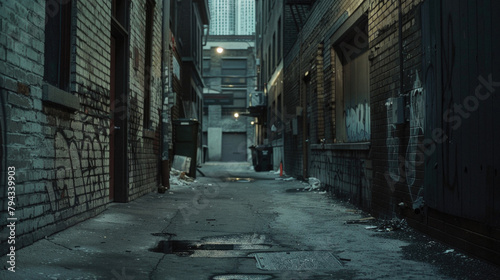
(164, 117)
(303, 103)
(401, 55)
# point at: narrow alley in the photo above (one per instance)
(249, 139)
(236, 223)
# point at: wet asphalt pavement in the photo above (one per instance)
(239, 224)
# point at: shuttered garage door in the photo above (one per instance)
(234, 147)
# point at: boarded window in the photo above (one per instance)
(352, 86)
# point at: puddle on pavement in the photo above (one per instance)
(184, 248)
(238, 180)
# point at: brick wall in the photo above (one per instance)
(142, 142)
(24, 127)
(386, 175)
(61, 154)
(394, 144)
(313, 52)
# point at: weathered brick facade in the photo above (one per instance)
(60, 146)
(370, 85)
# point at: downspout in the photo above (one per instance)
(164, 117)
(303, 102)
(207, 28)
(401, 55)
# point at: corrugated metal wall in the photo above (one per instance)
(462, 81)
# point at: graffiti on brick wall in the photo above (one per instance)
(357, 121)
(413, 158)
(135, 139)
(417, 118)
(80, 167)
(392, 144)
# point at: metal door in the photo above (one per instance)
(234, 147)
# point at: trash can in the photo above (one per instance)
(254, 156)
(186, 141)
(262, 156)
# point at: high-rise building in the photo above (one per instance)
(232, 17)
(245, 17)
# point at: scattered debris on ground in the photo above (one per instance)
(179, 178)
(394, 224)
(284, 179)
(383, 226)
(360, 221)
(313, 184)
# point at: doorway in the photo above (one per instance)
(118, 163)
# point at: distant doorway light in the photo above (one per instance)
(220, 50)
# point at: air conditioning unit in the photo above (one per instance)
(257, 99)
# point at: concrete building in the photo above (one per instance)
(230, 78)
(245, 17)
(223, 17)
(232, 17)
(385, 103)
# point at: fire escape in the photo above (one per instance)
(299, 10)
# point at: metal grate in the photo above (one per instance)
(297, 260)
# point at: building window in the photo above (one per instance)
(58, 44)
(269, 63)
(273, 60)
(206, 64)
(234, 72)
(279, 40)
(352, 85)
(238, 98)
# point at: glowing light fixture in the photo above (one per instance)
(220, 50)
